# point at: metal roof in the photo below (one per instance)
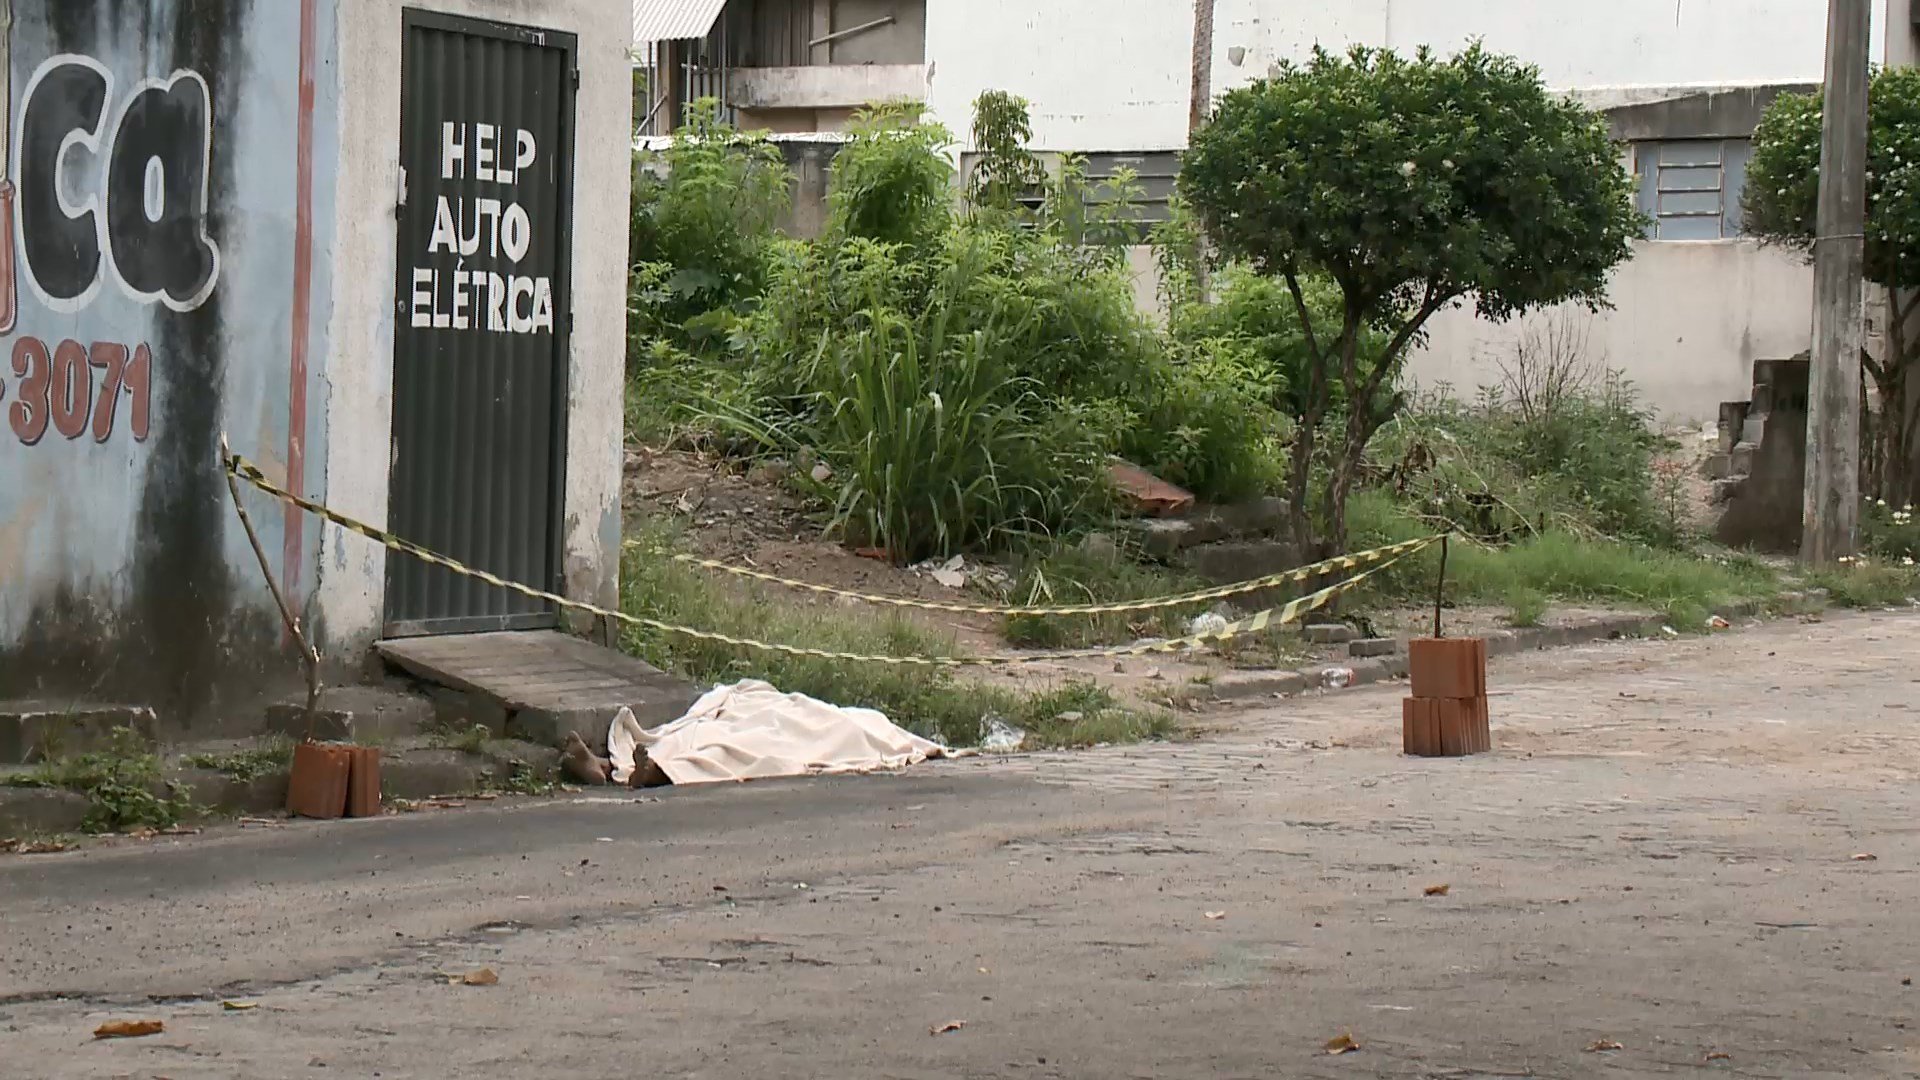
(674, 20)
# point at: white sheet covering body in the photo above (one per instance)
(751, 731)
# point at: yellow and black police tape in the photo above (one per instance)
(1356, 561)
(1254, 624)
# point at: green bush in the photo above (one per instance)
(892, 181)
(965, 376)
(704, 213)
(1207, 425)
(1889, 533)
(1498, 472)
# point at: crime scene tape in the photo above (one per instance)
(1295, 576)
(1290, 612)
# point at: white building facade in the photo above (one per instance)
(1682, 81)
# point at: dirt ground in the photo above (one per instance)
(753, 518)
(1684, 858)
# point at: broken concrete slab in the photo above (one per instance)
(34, 731)
(1163, 538)
(1371, 647)
(359, 714)
(1228, 563)
(30, 811)
(1330, 633)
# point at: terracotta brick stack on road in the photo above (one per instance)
(1447, 714)
(317, 787)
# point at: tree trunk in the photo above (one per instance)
(1897, 445)
(1300, 485)
(1902, 470)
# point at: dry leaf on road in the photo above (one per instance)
(239, 1006)
(948, 1028)
(35, 847)
(128, 1029)
(1216, 916)
(1719, 1055)
(1343, 1043)
(1601, 1046)
(1866, 856)
(1439, 890)
(482, 977)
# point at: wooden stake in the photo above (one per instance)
(309, 657)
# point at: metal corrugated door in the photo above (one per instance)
(480, 339)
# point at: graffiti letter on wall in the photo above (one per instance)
(34, 368)
(66, 105)
(138, 210)
(157, 193)
(56, 389)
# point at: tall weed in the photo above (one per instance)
(936, 447)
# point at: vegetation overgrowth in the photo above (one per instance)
(955, 360)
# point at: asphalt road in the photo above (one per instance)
(1668, 853)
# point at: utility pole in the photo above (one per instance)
(1832, 510)
(1199, 107)
(1201, 103)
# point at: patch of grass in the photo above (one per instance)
(1077, 574)
(929, 701)
(524, 779)
(1526, 606)
(471, 739)
(1868, 585)
(1559, 565)
(123, 785)
(1082, 714)
(271, 753)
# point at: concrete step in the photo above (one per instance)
(250, 778)
(36, 730)
(370, 715)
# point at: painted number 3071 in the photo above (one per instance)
(55, 390)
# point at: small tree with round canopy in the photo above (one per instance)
(1413, 184)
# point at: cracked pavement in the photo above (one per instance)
(1660, 854)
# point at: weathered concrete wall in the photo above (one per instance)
(358, 396)
(1687, 323)
(1116, 74)
(218, 247)
(153, 151)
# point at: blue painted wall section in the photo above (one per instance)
(146, 307)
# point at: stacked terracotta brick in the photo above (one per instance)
(1447, 714)
(331, 780)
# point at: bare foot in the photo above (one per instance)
(582, 764)
(646, 773)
